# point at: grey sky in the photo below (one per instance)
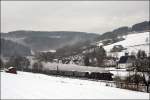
(87, 16)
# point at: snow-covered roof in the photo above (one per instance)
(10, 67)
(52, 51)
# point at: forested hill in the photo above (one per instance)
(9, 48)
(43, 40)
(108, 38)
(125, 30)
(48, 40)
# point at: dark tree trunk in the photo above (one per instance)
(147, 88)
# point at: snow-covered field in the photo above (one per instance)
(133, 43)
(37, 86)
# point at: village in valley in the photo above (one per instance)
(76, 65)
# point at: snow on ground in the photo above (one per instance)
(133, 43)
(37, 86)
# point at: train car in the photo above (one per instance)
(101, 76)
(80, 74)
(68, 73)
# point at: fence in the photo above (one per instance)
(129, 86)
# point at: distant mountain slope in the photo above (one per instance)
(10, 48)
(71, 42)
(42, 40)
(125, 30)
(141, 26)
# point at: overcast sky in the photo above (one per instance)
(86, 16)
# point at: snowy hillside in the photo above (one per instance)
(133, 43)
(37, 86)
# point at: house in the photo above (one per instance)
(110, 63)
(126, 61)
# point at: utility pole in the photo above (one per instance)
(57, 66)
(57, 69)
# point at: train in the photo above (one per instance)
(70, 70)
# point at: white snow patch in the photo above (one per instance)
(133, 43)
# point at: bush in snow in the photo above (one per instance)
(37, 67)
(20, 63)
